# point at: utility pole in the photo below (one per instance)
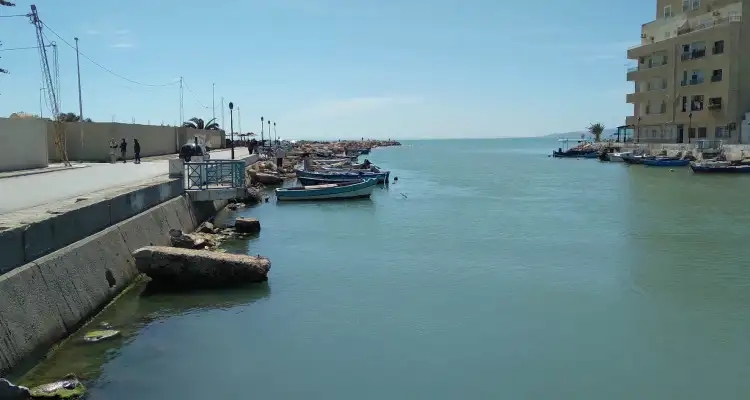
(262, 139)
(213, 101)
(182, 110)
(239, 121)
(41, 109)
(231, 123)
(269, 133)
(80, 98)
(222, 115)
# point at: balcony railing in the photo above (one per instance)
(693, 55)
(714, 106)
(716, 78)
(698, 27)
(214, 174)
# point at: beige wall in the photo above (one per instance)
(90, 141)
(23, 144)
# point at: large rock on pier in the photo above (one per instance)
(247, 225)
(186, 268)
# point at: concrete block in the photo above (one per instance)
(174, 211)
(176, 168)
(149, 228)
(29, 320)
(11, 247)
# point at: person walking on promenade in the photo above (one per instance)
(137, 151)
(112, 149)
(123, 149)
(280, 154)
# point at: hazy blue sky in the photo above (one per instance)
(339, 68)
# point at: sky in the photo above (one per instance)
(327, 69)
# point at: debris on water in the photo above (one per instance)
(67, 388)
(404, 196)
(98, 336)
(105, 325)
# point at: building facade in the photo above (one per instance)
(692, 79)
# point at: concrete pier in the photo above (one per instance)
(63, 259)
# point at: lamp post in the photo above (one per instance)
(231, 125)
(269, 133)
(262, 139)
(690, 126)
(80, 101)
(275, 136)
(638, 131)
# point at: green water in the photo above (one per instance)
(488, 271)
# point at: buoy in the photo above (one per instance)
(395, 178)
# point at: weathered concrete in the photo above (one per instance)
(47, 299)
(200, 269)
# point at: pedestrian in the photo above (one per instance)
(253, 146)
(137, 151)
(112, 150)
(123, 149)
(280, 154)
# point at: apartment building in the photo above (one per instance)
(692, 79)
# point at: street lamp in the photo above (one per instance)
(275, 137)
(269, 132)
(231, 125)
(690, 127)
(638, 131)
(262, 140)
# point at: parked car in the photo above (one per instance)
(194, 149)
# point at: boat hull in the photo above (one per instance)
(723, 169)
(340, 191)
(574, 154)
(381, 177)
(666, 163)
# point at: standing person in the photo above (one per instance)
(137, 151)
(123, 149)
(253, 145)
(112, 149)
(280, 154)
(306, 162)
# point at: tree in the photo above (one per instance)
(6, 4)
(70, 117)
(596, 130)
(197, 123)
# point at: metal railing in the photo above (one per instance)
(214, 174)
(697, 27)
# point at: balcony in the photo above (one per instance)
(714, 104)
(662, 30)
(693, 55)
(692, 82)
(716, 78)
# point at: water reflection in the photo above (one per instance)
(134, 311)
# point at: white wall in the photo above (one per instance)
(23, 144)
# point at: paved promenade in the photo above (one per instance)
(22, 192)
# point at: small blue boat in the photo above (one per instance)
(354, 189)
(380, 177)
(666, 162)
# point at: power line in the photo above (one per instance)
(16, 15)
(103, 67)
(24, 48)
(194, 96)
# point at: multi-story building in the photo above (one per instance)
(692, 79)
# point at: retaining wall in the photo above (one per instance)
(36, 234)
(24, 144)
(49, 298)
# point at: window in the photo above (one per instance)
(696, 77)
(696, 4)
(663, 108)
(663, 83)
(667, 11)
(684, 103)
(702, 132)
(714, 103)
(684, 80)
(696, 103)
(648, 108)
(717, 75)
(685, 5)
(721, 132)
(718, 47)
(697, 50)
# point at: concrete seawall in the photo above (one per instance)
(47, 299)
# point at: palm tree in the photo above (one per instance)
(596, 130)
(198, 123)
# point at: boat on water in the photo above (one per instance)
(666, 162)
(584, 149)
(631, 158)
(352, 189)
(719, 167)
(618, 157)
(347, 175)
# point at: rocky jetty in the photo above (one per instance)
(186, 268)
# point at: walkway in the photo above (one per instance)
(28, 191)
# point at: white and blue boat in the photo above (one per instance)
(666, 162)
(340, 176)
(353, 189)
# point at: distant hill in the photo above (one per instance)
(575, 135)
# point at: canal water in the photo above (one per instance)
(488, 271)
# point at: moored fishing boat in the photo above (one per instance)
(381, 177)
(353, 189)
(666, 162)
(719, 167)
(618, 157)
(634, 158)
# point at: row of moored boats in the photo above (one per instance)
(334, 177)
(718, 164)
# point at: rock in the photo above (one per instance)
(206, 227)
(254, 196)
(98, 336)
(247, 225)
(199, 269)
(175, 233)
(183, 242)
(9, 391)
(269, 179)
(68, 388)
